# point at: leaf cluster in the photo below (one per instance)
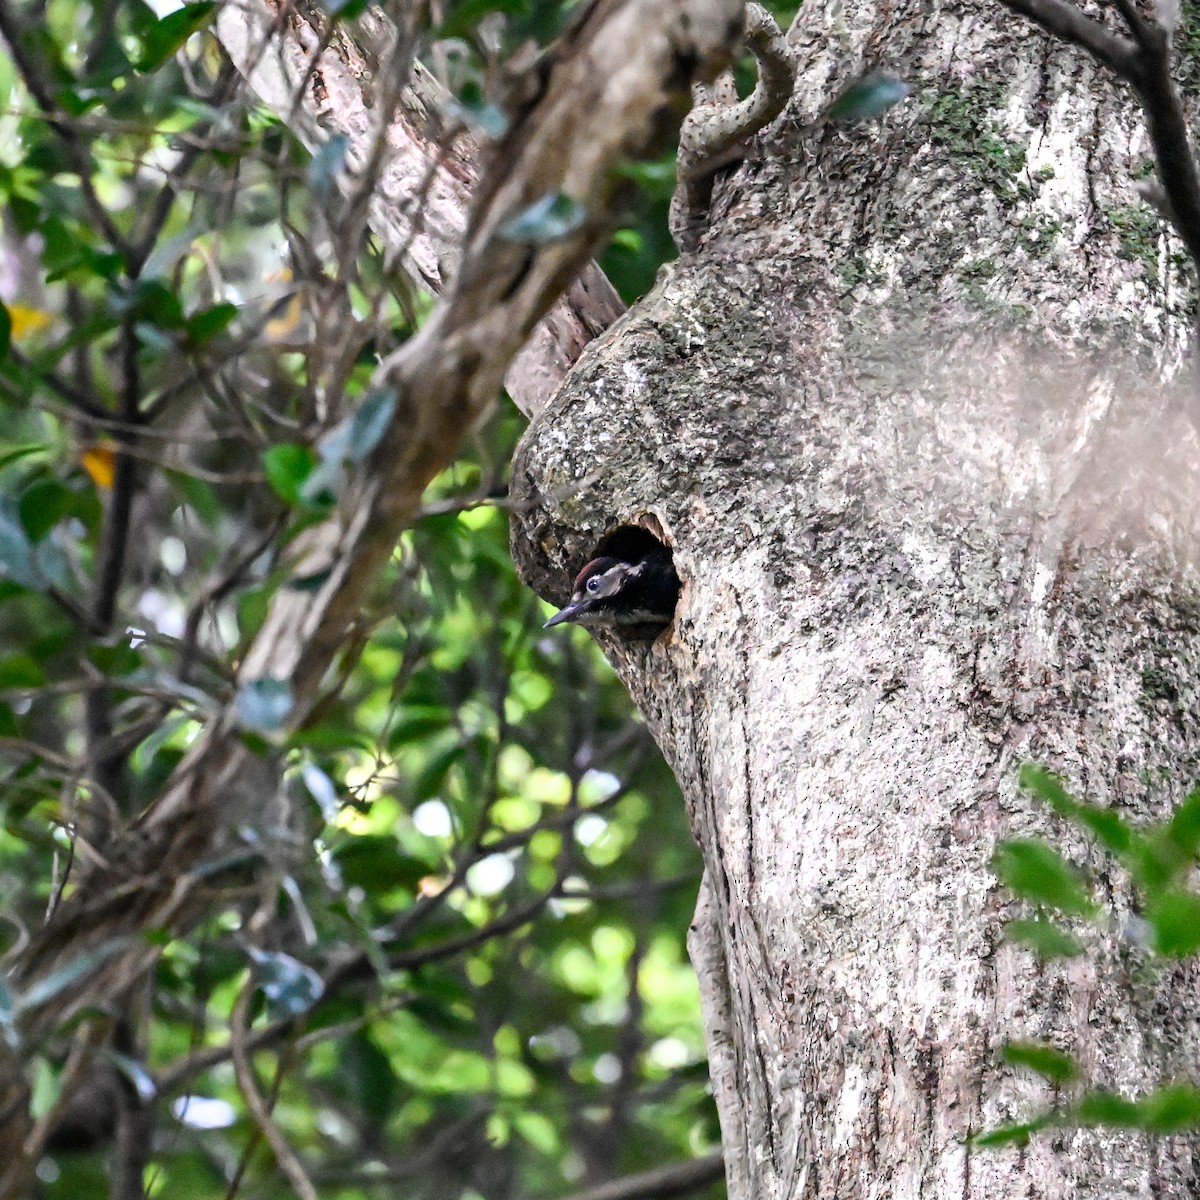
(446, 958)
(1158, 858)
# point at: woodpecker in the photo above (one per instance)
(637, 597)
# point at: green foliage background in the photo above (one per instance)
(458, 960)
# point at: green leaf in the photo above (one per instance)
(290, 987)
(1037, 873)
(1154, 861)
(345, 10)
(1044, 938)
(310, 583)
(1046, 786)
(321, 788)
(1183, 830)
(16, 552)
(1175, 918)
(8, 1025)
(142, 1080)
(549, 219)
(287, 466)
(5, 331)
(1167, 1110)
(43, 504)
(199, 495)
(318, 490)
(353, 439)
(204, 325)
(1054, 1064)
(473, 108)
(1017, 1133)
(432, 777)
(369, 423)
(445, 1019)
(70, 974)
(1106, 824)
(375, 863)
(21, 671)
(418, 723)
(168, 252)
(466, 15)
(868, 97)
(366, 1073)
(1171, 1109)
(1108, 827)
(1107, 1108)
(115, 659)
(167, 34)
(264, 704)
(150, 301)
(538, 1130)
(19, 452)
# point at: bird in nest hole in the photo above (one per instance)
(636, 597)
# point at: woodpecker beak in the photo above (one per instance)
(567, 614)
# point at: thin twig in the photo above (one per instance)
(1065, 21)
(286, 1158)
(75, 397)
(40, 88)
(663, 1183)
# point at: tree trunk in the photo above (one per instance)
(904, 419)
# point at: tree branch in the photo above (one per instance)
(595, 101)
(1145, 64)
(422, 195)
(1065, 21)
(663, 1183)
(286, 1158)
(715, 133)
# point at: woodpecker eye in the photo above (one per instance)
(593, 584)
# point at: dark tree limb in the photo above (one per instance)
(33, 75)
(1143, 61)
(1065, 21)
(663, 1183)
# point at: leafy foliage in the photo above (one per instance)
(451, 961)
(1158, 858)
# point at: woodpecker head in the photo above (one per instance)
(611, 591)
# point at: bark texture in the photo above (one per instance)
(905, 417)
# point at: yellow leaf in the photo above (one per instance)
(100, 462)
(27, 321)
(288, 326)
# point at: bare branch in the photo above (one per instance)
(1065, 21)
(663, 1183)
(420, 202)
(1145, 64)
(286, 1158)
(714, 135)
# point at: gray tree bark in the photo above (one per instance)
(907, 419)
